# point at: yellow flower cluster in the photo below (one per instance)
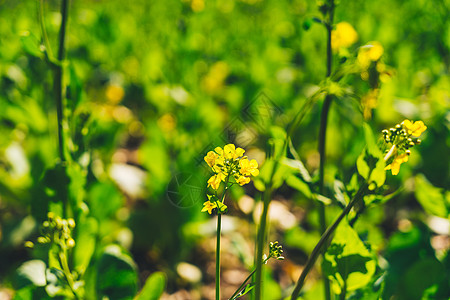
(343, 36)
(369, 53)
(402, 137)
(229, 166)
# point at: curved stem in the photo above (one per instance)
(324, 240)
(43, 30)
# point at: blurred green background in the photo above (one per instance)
(154, 85)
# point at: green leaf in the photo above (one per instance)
(30, 44)
(153, 288)
(31, 272)
(347, 261)
(86, 229)
(432, 198)
(296, 183)
(371, 163)
(116, 274)
(75, 88)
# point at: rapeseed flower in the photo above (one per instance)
(401, 138)
(343, 36)
(230, 166)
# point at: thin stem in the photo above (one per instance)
(261, 239)
(323, 134)
(66, 271)
(58, 78)
(219, 228)
(324, 240)
(43, 30)
(245, 281)
(242, 285)
(219, 224)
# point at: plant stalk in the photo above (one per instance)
(58, 78)
(219, 224)
(324, 240)
(323, 134)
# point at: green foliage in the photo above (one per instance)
(153, 288)
(371, 163)
(435, 201)
(347, 261)
(116, 274)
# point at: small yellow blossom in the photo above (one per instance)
(395, 165)
(368, 53)
(343, 36)
(416, 128)
(210, 158)
(369, 102)
(215, 180)
(231, 152)
(209, 206)
(242, 180)
(248, 168)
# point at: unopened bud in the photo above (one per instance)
(71, 223)
(70, 243)
(29, 244)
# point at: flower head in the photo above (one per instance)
(215, 180)
(368, 53)
(400, 139)
(248, 168)
(210, 158)
(414, 129)
(343, 36)
(395, 165)
(209, 206)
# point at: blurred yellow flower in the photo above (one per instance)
(215, 78)
(198, 5)
(209, 206)
(368, 53)
(248, 168)
(114, 94)
(343, 36)
(242, 180)
(369, 102)
(395, 165)
(414, 129)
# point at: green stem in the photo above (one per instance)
(43, 30)
(261, 239)
(219, 228)
(323, 134)
(324, 240)
(58, 79)
(245, 281)
(219, 224)
(66, 271)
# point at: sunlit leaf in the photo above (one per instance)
(153, 288)
(432, 198)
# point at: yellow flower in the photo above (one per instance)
(209, 206)
(248, 168)
(215, 180)
(395, 165)
(230, 151)
(210, 158)
(368, 53)
(241, 180)
(343, 36)
(416, 128)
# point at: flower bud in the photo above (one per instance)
(71, 223)
(70, 243)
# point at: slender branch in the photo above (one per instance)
(261, 239)
(323, 134)
(66, 271)
(58, 78)
(324, 240)
(43, 30)
(245, 281)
